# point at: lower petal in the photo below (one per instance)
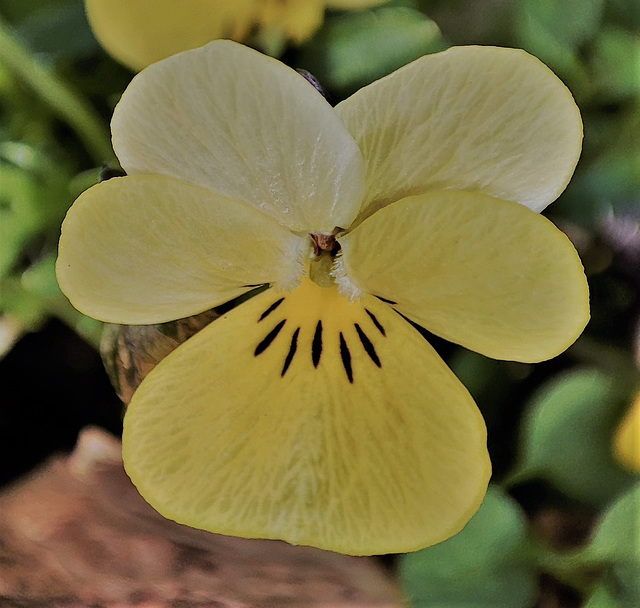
(312, 419)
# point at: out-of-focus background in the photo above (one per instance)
(561, 524)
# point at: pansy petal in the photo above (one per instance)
(230, 119)
(486, 119)
(313, 419)
(149, 249)
(488, 274)
(141, 32)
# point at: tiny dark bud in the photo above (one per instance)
(314, 82)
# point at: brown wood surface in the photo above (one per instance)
(76, 533)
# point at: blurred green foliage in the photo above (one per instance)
(490, 560)
(550, 425)
(616, 545)
(340, 54)
(494, 562)
(566, 436)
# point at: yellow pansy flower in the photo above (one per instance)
(626, 442)
(315, 412)
(140, 32)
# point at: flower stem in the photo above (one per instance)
(65, 102)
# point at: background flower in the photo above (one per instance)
(144, 31)
(627, 438)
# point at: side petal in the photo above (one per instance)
(488, 274)
(230, 119)
(149, 249)
(311, 419)
(484, 119)
(145, 31)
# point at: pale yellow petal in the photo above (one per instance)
(488, 274)
(149, 249)
(242, 124)
(140, 32)
(484, 119)
(312, 419)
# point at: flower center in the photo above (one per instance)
(325, 248)
(324, 243)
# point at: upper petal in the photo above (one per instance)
(312, 419)
(141, 32)
(485, 119)
(244, 125)
(149, 249)
(488, 274)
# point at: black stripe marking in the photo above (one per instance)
(368, 346)
(292, 351)
(386, 301)
(271, 308)
(316, 346)
(376, 322)
(269, 338)
(346, 358)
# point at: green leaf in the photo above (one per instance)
(567, 434)
(608, 175)
(626, 12)
(616, 63)
(19, 217)
(33, 200)
(354, 49)
(60, 31)
(484, 566)
(33, 297)
(570, 22)
(16, 303)
(602, 598)
(617, 536)
(17, 10)
(616, 542)
(553, 31)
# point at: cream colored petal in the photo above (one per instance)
(140, 32)
(488, 274)
(228, 118)
(149, 249)
(485, 119)
(312, 419)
